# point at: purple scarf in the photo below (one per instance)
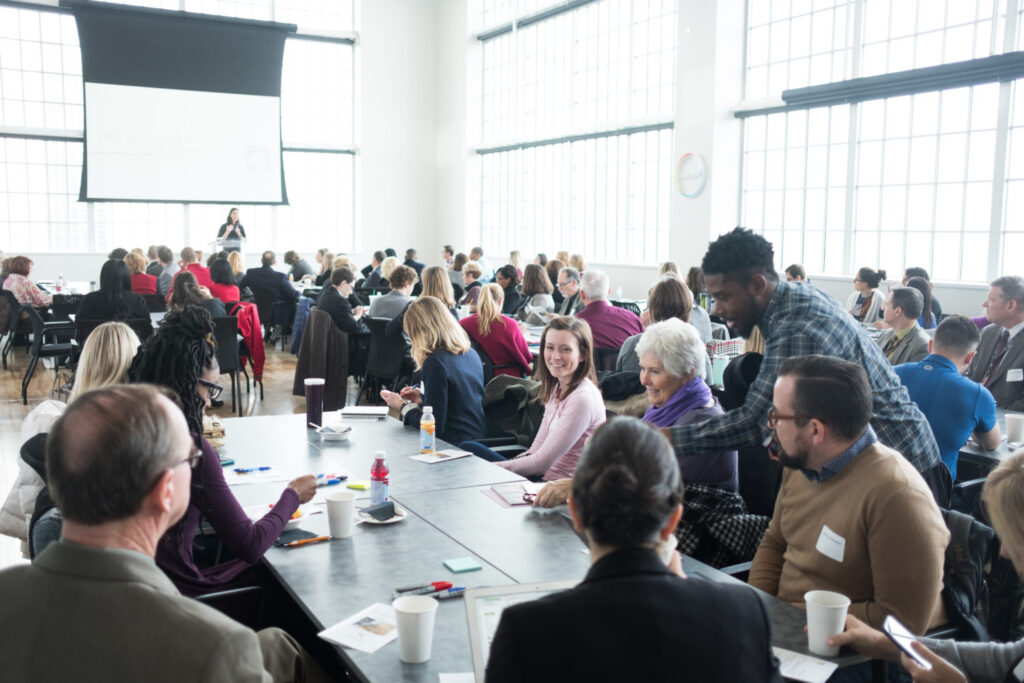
(694, 394)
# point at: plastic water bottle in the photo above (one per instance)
(427, 428)
(379, 479)
(60, 282)
(618, 293)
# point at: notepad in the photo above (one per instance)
(364, 412)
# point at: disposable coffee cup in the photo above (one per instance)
(415, 616)
(341, 512)
(826, 617)
(314, 401)
(1014, 427)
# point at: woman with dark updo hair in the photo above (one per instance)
(626, 499)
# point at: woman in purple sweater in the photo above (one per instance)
(182, 357)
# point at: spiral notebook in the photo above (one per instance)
(364, 412)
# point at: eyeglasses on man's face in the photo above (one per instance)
(213, 391)
(774, 417)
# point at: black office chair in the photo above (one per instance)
(626, 305)
(155, 303)
(59, 351)
(142, 327)
(384, 361)
(18, 325)
(270, 309)
(225, 332)
(605, 359)
(489, 366)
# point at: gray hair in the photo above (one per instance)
(676, 344)
(1013, 288)
(594, 284)
(570, 273)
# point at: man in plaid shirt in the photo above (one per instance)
(800, 320)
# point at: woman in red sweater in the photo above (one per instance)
(141, 282)
(223, 286)
(499, 335)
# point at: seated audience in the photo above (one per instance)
(541, 259)
(268, 281)
(610, 325)
(955, 660)
(105, 358)
(190, 261)
(471, 274)
(153, 266)
(448, 256)
(956, 407)
(391, 305)
(695, 283)
(216, 256)
(299, 267)
(375, 278)
(455, 271)
(562, 256)
(927, 320)
(923, 274)
(453, 376)
(114, 300)
(672, 366)
(796, 273)
(117, 254)
(486, 272)
(508, 279)
(627, 497)
(129, 448)
(573, 407)
(182, 358)
(224, 287)
(515, 259)
(24, 290)
(410, 261)
(498, 335)
(188, 293)
(576, 261)
(668, 267)
(904, 341)
(865, 304)
(334, 301)
(852, 516)
(386, 266)
(237, 267)
(435, 284)
(142, 282)
(999, 363)
(168, 270)
(669, 298)
(536, 294)
(326, 266)
(552, 268)
(568, 285)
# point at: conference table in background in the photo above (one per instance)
(972, 452)
(449, 515)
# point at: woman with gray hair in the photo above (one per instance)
(672, 369)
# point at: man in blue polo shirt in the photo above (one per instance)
(955, 406)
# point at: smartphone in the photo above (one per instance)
(899, 634)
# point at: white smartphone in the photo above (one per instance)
(899, 634)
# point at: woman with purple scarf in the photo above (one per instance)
(672, 369)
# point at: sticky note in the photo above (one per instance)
(462, 564)
(358, 485)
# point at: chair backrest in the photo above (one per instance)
(225, 332)
(85, 326)
(155, 303)
(605, 359)
(626, 305)
(459, 290)
(65, 305)
(37, 327)
(488, 363)
(264, 303)
(386, 353)
(964, 590)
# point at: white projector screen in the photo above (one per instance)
(168, 145)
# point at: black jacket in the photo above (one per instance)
(269, 280)
(513, 300)
(335, 305)
(631, 619)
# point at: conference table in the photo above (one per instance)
(449, 514)
(972, 452)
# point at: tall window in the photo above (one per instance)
(893, 179)
(41, 122)
(576, 113)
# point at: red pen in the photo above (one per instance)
(423, 589)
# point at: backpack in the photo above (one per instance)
(964, 589)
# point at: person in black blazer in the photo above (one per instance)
(334, 302)
(410, 260)
(269, 280)
(508, 278)
(633, 618)
(114, 301)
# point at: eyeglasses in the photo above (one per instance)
(774, 416)
(213, 391)
(195, 455)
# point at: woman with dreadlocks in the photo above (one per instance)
(181, 356)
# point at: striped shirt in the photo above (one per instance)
(801, 321)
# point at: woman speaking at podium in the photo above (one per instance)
(231, 234)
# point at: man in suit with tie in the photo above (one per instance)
(119, 463)
(904, 341)
(999, 364)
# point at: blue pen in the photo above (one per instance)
(455, 592)
(247, 470)
(328, 482)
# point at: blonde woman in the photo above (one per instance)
(537, 298)
(471, 274)
(142, 283)
(578, 262)
(105, 358)
(668, 267)
(387, 265)
(435, 284)
(499, 336)
(453, 377)
(237, 266)
(324, 277)
(516, 259)
(562, 256)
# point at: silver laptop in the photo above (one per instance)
(484, 607)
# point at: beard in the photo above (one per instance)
(797, 460)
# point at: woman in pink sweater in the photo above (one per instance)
(573, 407)
(498, 335)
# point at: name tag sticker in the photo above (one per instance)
(1015, 375)
(830, 544)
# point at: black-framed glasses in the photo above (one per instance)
(213, 390)
(194, 456)
(775, 416)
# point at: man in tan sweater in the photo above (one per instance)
(852, 516)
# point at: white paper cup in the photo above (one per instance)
(341, 512)
(415, 616)
(1014, 427)
(826, 617)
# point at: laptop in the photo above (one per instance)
(484, 607)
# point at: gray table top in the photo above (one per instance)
(975, 453)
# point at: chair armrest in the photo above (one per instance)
(53, 325)
(496, 441)
(739, 571)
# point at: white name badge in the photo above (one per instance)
(1015, 375)
(830, 544)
